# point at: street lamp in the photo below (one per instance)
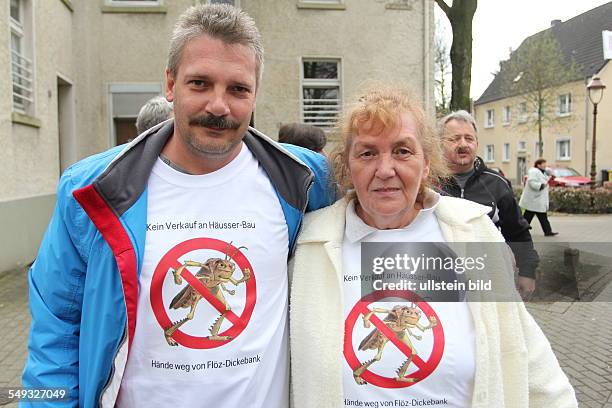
(595, 88)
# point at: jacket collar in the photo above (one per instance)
(125, 178)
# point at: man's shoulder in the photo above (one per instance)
(86, 170)
(494, 178)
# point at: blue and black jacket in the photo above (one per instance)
(84, 282)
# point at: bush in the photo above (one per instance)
(577, 200)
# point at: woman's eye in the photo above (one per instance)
(403, 151)
(366, 154)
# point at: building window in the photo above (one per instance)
(506, 152)
(564, 149)
(321, 92)
(564, 104)
(21, 63)
(489, 153)
(521, 146)
(522, 116)
(235, 3)
(490, 118)
(321, 1)
(125, 101)
(134, 2)
(506, 116)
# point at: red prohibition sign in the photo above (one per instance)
(171, 261)
(426, 367)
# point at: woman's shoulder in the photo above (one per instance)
(460, 209)
(324, 224)
(462, 213)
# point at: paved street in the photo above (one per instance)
(580, 333)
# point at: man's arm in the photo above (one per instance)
(515, 230)
(56, 290)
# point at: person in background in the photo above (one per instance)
(489, 354)
(155, 111)
(299, 134)
(534, 198)
(472, 180)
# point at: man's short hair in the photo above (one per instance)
(155, 111)
(307, 136)
(460, 116)
(219, 21)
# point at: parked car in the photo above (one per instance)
(567, 177)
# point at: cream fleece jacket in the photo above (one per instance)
(515, 366)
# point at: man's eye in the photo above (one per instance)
(197, 83)
(240, 89)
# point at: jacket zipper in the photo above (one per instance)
(462, 190)
(112, 373)
(297, 233)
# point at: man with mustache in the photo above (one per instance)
(473, 181)
(162, 276)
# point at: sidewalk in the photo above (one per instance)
(15, 321)
(580, 333)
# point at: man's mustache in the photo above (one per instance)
(212, 121)
(464, 150)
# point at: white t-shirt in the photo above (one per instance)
(444, 364)
(199, 228)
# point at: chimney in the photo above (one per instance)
(555, 22)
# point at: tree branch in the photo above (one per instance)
(442, 4)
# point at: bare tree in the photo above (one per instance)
(533, 74)
(442, 68)
(460, 15)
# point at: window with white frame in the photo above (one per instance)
(522, 116)
(22, 70)
(564, 148)
(521, 146)
(134, 2)
(235, 3)
(321, 92)
(565, 104)
(490, 118)
(506, 115)
(322, 1)
(506, 152)
(489, 153)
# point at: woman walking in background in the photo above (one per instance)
(535, 196)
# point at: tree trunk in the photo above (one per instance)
(460, 16)
(540, 117)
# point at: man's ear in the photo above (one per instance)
(169, 86)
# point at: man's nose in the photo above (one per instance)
(217, 104)
(462, 142)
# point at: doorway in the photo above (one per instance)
(66, 124)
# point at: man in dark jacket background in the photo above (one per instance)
(473, 181)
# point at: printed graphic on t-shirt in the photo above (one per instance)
(392, 340)
(206, 272)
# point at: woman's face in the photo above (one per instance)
(387, 169)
